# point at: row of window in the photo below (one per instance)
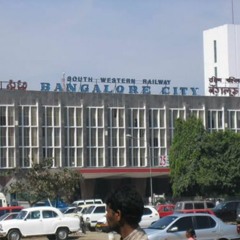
(103, 143)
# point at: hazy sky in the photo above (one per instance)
(153, 39)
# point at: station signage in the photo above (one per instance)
(224, 87)
(117, 85)
(113, 85)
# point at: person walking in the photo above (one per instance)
(190, 234)
(124, 212)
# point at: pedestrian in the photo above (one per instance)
(82, 225)
(190, 234)
(217, 202)
(124, 212)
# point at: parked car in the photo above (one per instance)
(184, 205)
(87, 201)
(206, 210)
(39, 221)
(9, 209)
(165, 209)
(93, 214)
(206, 226)
(227, 210)
(69, 210)
(238, 214)
(57, 203)
(76, 210)
(150, 215)
(8, 216)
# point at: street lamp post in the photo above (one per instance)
(149, 158)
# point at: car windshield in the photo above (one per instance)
(22, 215)
(77, 209)
(90, 209)
(220, 206)
(84, 210)
(162, 223)
(4, 216)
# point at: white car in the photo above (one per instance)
(150, 215)
(73, 211)
(93, 214)
(87, 201)
(39, 221)
(206, 226)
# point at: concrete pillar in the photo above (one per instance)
(87, 188)
(140, 184)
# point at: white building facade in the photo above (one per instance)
(222, 60)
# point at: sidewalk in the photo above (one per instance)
(96, 236)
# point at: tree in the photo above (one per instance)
(42, 182)
(220, 163)
(202, 163)
(185, 154)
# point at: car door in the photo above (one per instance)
(228, 212)
(50, 220)
(178, 229)
(148, 217)
(205, 227)
(32, 225)
(233, 211)
(98, 213)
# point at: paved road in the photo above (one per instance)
(87, 236)
(98, 236)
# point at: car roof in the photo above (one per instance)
(41, 208)
(165, 205)
(189, 214)
(97, 204)
(194, 201)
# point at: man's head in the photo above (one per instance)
(124, 206)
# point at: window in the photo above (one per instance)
(28, 135)
(100, 210)
(198, 205)
(234, 120)
(34, 215)
(95, 137)
(215, 50)
(147, 211)
(210, 205)
(188, 206)
(174, 114)
(204, 222)
(198, 113)
(183, 224)
(51, 130)
(215, 120)
(49, 214)
(215, 71)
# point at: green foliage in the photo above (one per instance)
(204, 163)
(41, 182)
(185, 153)
(221, 163)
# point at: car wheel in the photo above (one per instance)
(14, 234)
(62, 234)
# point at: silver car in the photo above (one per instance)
(207, 227)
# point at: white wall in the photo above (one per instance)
(228, 53)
